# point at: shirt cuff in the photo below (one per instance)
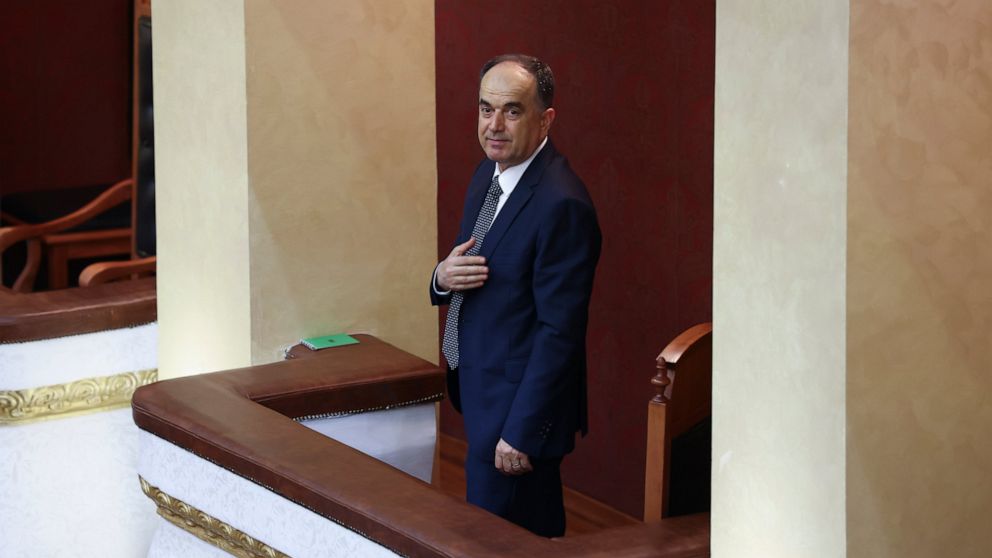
(437, 291)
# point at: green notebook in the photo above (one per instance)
(325, 341)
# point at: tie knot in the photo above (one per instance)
(494, 189)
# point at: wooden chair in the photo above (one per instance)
(61, 247)
(683, 401)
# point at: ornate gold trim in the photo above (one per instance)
(207, 528)
(80, 396)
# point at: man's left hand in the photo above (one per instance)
(510, 461)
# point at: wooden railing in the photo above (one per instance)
(48, 314)
(243, 420)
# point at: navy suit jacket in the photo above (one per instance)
(522, 370)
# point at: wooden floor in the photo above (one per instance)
(582, 513)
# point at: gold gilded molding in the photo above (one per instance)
(206, 527)
(80, 396)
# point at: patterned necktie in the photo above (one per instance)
(482, 223)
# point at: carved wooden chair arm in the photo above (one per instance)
(105, 272)
(113, 196)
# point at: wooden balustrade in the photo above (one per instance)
(243, 420)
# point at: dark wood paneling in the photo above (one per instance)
(65, 101)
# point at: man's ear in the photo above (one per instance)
(547, 117)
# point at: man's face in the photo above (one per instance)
(511, 121)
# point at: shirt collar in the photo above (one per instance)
(509, 178)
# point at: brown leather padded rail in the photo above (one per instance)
(48, 314)
(243, 421)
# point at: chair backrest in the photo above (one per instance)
(143, 151)
(682, 401)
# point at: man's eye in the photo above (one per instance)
(485, 110)
(514, 113)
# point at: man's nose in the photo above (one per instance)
(497, 122)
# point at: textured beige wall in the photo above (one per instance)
(343, 171)
(296, 176)
(919, 455)
(201, 186)
(779, 278)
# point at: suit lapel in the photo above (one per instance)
(518, 199)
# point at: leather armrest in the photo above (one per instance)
(43, 315)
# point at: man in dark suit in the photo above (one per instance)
(518, 284)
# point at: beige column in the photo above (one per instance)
(853, 313)
(779, 279)
(201, 189)
(296, 176)
(919, 359)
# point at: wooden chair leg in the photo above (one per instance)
(58, 272)
(25, 281)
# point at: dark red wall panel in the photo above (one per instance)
(65, 93)
(635, 117)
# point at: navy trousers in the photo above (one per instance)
(532, 500)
